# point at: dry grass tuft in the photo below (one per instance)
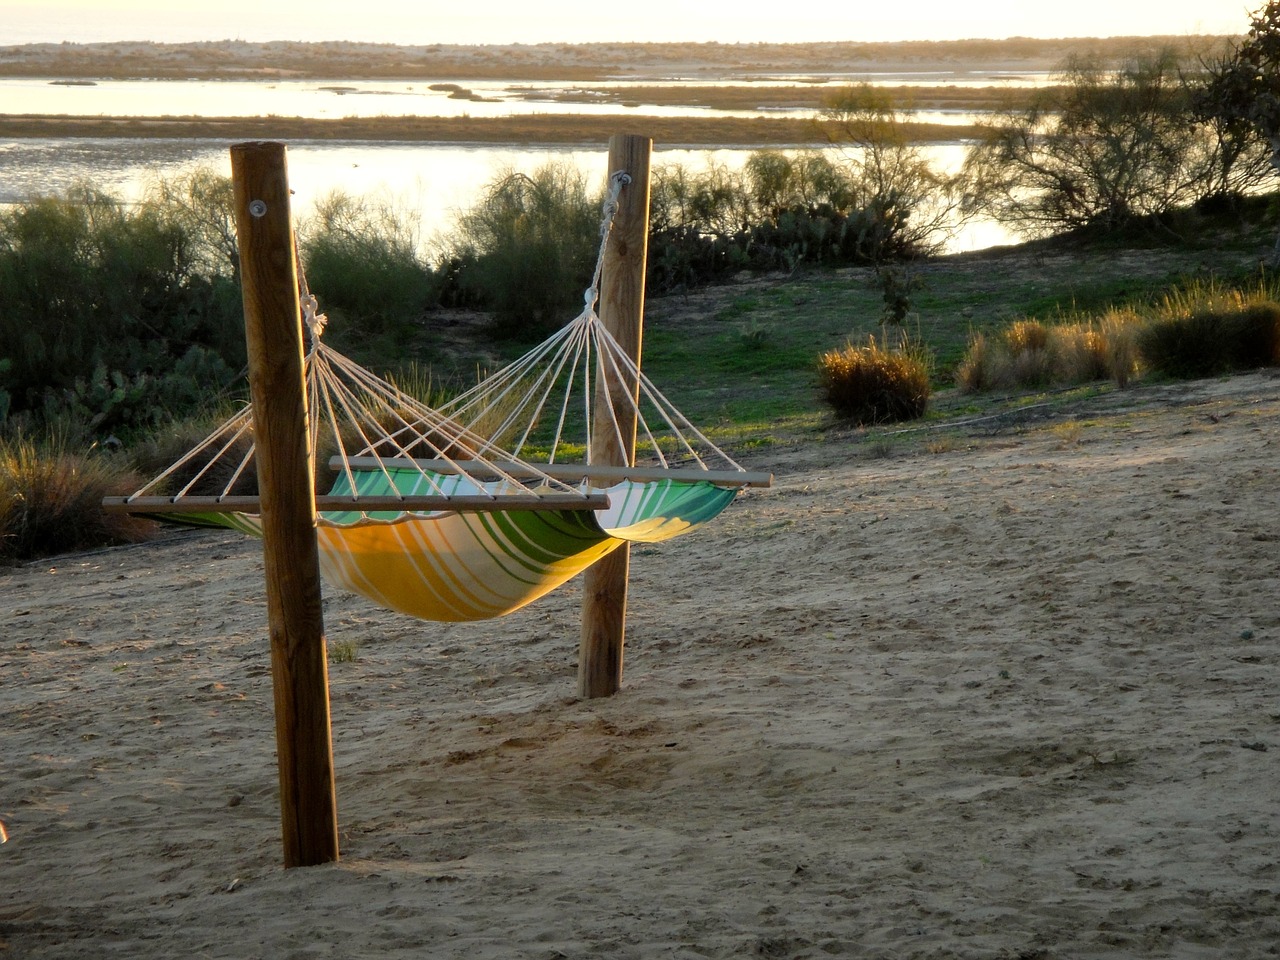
(1120, 330)
(1208, 342)
(1027, 336)
(869, 385)
(1031, 354)
(51, 499)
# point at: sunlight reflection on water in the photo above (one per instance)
(435, 180)
(387, 98)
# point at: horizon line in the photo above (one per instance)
(628, 43)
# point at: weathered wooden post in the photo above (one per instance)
(604, 603)
(299, 670)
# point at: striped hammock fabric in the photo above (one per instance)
(454, 566)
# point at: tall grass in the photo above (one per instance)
(170, 443)
(1120, 329)
(1208, 327)
(1209, 342)
(1202, 295)
(1197, 329)
(1031, 354)
(51, 494)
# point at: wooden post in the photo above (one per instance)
(299, 670)
(604, 602)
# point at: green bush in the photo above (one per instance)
(1210, 342)
(699, 226)
(362, 263)
(100, 303)
(681, 258)
(783, 210)
(869, 385)
(5, 363)
(527, 251)
(822, 234)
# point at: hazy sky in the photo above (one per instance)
(536, 21)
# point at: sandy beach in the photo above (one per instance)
(1007, 692)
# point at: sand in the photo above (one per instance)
(1009, 692)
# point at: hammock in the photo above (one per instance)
(430, 515)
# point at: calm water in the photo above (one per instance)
(332, 100)
(437, 180)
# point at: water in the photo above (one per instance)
(320, 100)
(436, 180)
(335, 100)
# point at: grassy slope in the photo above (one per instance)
(739, 359)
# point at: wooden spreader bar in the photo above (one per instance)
(471, 503)
(567, 472)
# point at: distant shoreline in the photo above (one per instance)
(342, 60)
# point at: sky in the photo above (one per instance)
(576, 21)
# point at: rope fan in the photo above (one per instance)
(477, 508)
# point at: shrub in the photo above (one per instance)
(362, 262)
(684, 257)
(201, 204)
(1100, 149)
(4, 394)
(699, 226)
(51, 499)
(878, 203)
(823, 234)
(100, 310)
(869, 384)
(904, 206)
(1210, 342)
(1032, 354)
(528, 249)
(1188, 346)
(1256, 336)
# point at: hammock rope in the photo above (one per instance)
(583, 357)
